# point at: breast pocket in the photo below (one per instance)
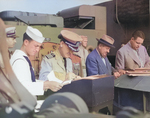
(59, 72)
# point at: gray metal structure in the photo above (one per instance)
(30, 18)
(53, 21)
(139, 83)
(97, 93)
(76, 17)
(132, 91)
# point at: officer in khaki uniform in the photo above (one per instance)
(83, 53)
(59, 61)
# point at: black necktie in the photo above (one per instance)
(31, 70)
(64, 62)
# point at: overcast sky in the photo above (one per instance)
(43, 6)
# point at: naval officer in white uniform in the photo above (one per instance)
(10, 39)
(32, 40)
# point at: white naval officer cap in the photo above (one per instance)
(35, 34)
(10, 31)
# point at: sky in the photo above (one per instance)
(43, 6)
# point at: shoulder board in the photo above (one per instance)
(76, 55)
(49, 56)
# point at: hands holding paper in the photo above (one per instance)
(56, 84)
(122, 72)
(71, 76)
(53, 85)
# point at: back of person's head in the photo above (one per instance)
(60, 37)
(137, 34)
(98, 43)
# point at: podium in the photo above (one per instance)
(97, 91)
(132, 91)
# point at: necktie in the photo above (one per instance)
(31, 70)
(64, 62)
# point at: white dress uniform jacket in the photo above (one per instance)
(21, 69)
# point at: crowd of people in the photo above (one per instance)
(57, 66)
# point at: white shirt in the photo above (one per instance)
(103, 61)
(102, 57)
(21, 69)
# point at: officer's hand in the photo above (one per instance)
(70, 76)
(78, 77)
(54, 86)
(122, 72)
(116, 74)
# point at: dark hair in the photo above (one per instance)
(60, 37)
(98, 43)
(138, 33)
(26, 37)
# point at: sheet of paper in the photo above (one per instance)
(51, 77)
(38, 106)
(66, 82)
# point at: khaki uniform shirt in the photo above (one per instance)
(83, 53)
(54, 61)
